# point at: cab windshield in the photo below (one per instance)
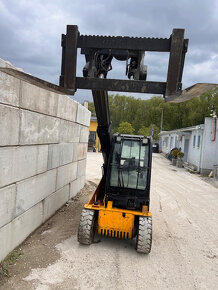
(129, 165)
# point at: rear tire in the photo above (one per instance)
(86, 227)
(144, 237)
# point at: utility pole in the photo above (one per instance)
(161, 120)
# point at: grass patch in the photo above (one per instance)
(204, 175)
(3, 271)
(10, 260)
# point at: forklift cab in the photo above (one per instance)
(129, 172)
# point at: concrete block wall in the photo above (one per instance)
(43, 150)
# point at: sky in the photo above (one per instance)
(30, 34)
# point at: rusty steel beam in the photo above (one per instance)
(70, 57)
(126, 43)
(63, 44)
(120, 85)
(176, 60)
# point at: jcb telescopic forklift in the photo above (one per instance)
(120, 205)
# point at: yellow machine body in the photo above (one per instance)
(115, 222)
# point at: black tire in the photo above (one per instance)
(144, 237)
(86, 227)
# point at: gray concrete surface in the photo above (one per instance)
(184, 251)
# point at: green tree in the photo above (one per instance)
(91, 108)
(144, 131)
(143, 114)
(125, 128)
(149, 131)
(154, 130)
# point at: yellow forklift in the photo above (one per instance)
(119, 207)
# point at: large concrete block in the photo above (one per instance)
(84, 134)
(14, 233)
(34, 189)
(7, 204)
(67, 108)
(5, 241)
(76, 186)
(81, 168)
(69, 132)
(25, 224)
(83, 116)
(38, 129)
(75, 152)
(9, 129)
(66, 174)
(9, 89)
(18, 163)
(80, 151)
(53, 202)
(37, 99)
(60, 154)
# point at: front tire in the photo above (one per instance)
(144, 237)
(86, 227)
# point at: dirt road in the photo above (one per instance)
(184, 252)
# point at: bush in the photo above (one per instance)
(175, 153)
(125, 128)
(180, 155)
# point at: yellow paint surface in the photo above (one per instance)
(115, 224)
(93, 128)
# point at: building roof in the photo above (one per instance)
(187, 129)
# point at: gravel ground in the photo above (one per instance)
(184, 252)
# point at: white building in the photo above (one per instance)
(199, 144)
